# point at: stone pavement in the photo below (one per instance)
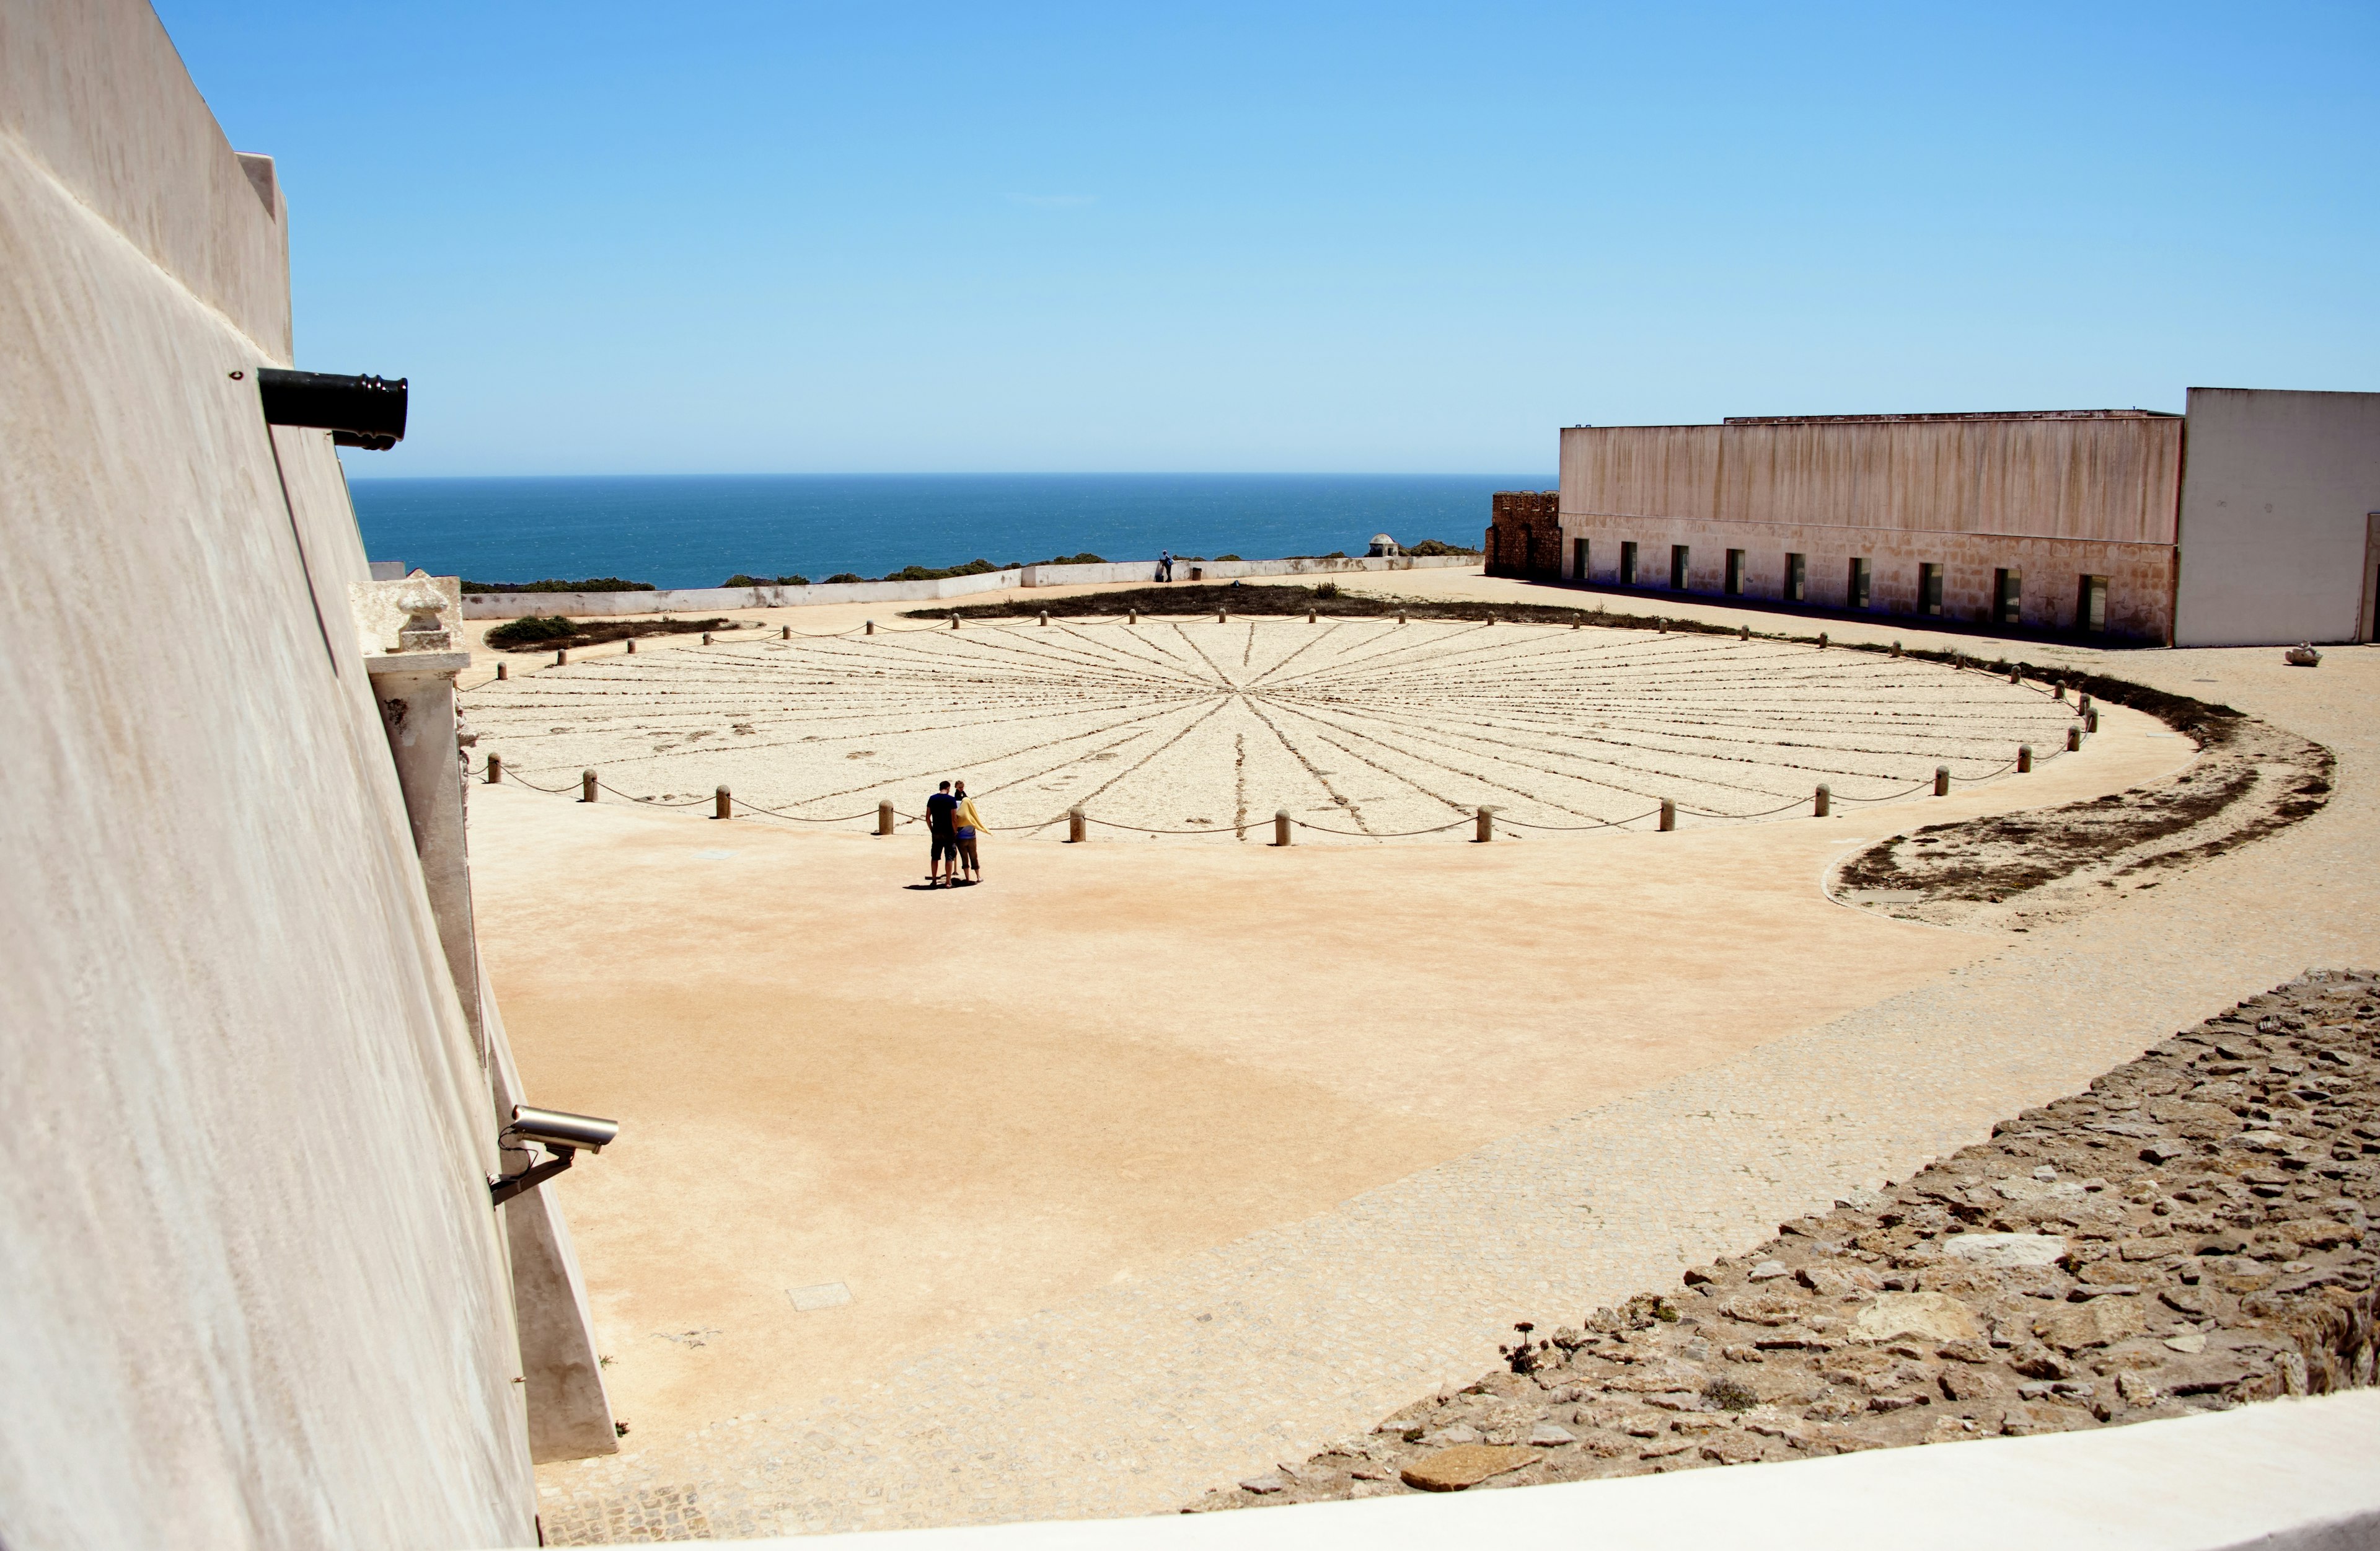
(1138, 1397)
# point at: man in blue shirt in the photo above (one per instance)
(942, 867)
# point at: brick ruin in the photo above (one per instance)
(1524, 534)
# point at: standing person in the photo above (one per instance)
(966, 825)
(1164, 564)
(943, 864)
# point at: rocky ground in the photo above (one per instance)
(2189, 1233)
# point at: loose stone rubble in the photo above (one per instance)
(2188, 1235)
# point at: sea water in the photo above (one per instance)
(680, 531)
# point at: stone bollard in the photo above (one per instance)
(1218, 616)
(706, 638)
(2025, 759)
(2090, 720)
(884, 818)
(1484, 829)
(1280, 826)
(1401, 616)
(500, 672)
(1309, 617)
(2059, 693)
(1131, 616)
(1744, 632)
(632, 644)
(586, 786)
(785, 632)
(2083, 707)
(2073, 740)
(954, 619)
(1045, 617)
(1819, 804)
(871, 626)
(1941, 780)
(1078, 828)
(2016, 673)
(1669, 814)
(495, 770)
(1896, 649)
(722, 805)
(560, 656)
(1822, 640)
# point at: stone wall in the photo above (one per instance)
(2192, 1233)
(1524, 535)
(2140, 577)
(253, 1289)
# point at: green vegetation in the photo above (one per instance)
(536, 630)
(555, 584)
(1226, 557)
(740, 580)
(1437, 546)
(1085, 558)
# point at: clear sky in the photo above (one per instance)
(804, 237)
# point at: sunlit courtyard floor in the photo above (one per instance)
(1142, 1166)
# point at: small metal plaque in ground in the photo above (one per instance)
(1466, 1464)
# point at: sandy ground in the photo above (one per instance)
(1200, 728)
(1358, 1107)
(961, 1106)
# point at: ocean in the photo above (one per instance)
(681, 530)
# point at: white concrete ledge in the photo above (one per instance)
(2286, 1476)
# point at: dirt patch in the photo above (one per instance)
(1324, 598)
(2190, 1234)
(543, 633)
(2015, 871)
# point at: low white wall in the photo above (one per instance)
(702, 600)
(1230, 570)
(698, 600)
(2285, 1476)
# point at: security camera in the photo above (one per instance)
(561, 1133)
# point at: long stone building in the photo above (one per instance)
(2253, 517)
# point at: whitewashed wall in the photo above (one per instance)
(2275, 494)
(251, 1289)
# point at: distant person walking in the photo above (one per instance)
(943, 865)
(966, 825)
(1164, 564)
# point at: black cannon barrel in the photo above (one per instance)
(359, 411)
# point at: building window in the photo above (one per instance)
(1929, 589)
(2091, 609)
(1862, 584)
(2007, 598)
(1578, 561)
(1735, 573)
(1628, 562)
(1797, 578)
(1679, 556)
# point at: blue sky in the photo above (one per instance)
(788, 237)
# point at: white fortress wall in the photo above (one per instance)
(2277, 492)
(253, 1289)
(695, 599)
